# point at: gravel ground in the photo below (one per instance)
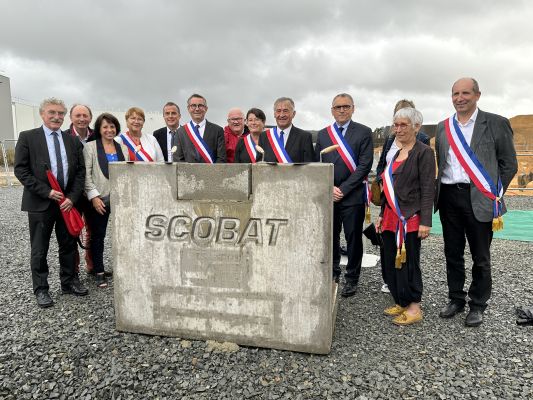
(72, 351)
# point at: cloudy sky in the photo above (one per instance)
(246, 53)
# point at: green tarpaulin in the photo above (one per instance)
(517, 225)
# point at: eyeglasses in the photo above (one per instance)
(197, 106)
(401, 126)
(344, 107)
(235, 119)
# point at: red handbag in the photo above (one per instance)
(72, 217)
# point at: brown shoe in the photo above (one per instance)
(394, 310)
(407, 319)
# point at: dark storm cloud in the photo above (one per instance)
(247, 53)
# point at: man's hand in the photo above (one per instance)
(423, 231)
(66, 205)
(98, 205)
(337, 194)
(55, 195)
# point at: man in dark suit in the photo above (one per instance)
(38, 150)
(199, 141)
(348, 189)
(164, 136)
(465, 212)
(81, 117)
(297, 143)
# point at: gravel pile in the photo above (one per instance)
(72, 351)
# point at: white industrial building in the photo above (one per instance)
(17, 115)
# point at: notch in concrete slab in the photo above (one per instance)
(227, 182)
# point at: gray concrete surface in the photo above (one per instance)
(231, 253)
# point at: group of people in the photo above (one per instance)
(475, 157)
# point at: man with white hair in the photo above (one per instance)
(233, 132)
(38, 150)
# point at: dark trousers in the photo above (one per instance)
(41, 225)
(351, 218)
(98, 226)
(459, 225)
(405, 284)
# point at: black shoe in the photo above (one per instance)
(75, 288)
(101, 281)
(451, 309)
(474, 318)
(43, 299)
(349, 289)
(107, 274)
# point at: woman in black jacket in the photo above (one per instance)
(405, 218)
(390, 147)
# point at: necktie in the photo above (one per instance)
(59, 161)
(282, 138)
(341, 128)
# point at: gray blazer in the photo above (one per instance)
(96, 184)
(492, 143)
(213, 137)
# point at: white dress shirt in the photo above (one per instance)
(286, 133)
(453, 172)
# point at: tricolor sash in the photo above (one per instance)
(140, 155)
(401, 227)
(474, 169)
(348, 156)
(277, 146)
(250, 147)
(199, 143)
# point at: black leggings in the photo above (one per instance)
(405, 284)
(98, 225)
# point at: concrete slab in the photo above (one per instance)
(247, 261)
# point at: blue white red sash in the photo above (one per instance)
(277, 146)
(474, 169)
(198, 142)
(401, 228)
(345, 151)
(140, 155)
(250, 147)
(348, 156)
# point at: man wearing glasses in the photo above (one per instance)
(233, 132)
(199, 141)
(38, 150)
(352, 162)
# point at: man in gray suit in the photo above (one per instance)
(199, 141)
(465, 211)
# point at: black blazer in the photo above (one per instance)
(382, 163)
(32, 161)
(359, 137)
(161, 137)
(299, 146)
(213, 136)
(414, 183)
(241, 154)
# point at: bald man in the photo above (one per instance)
(81, 117)
(483, 143)
(233, 132)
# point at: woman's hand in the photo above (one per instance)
(98, 205)
(423, 231)
(378, 224)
